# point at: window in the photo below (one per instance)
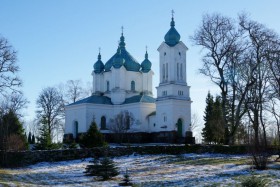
(166, 71)
(179, 53)
(164, 118)
(163, 72)
(103, 123)
(177, 71)
(181, 71)
(76, 129)
(107, 86)
(132, 86)
(164, 93)
(180, 92)
(164, 53)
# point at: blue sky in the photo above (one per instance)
(59, 40)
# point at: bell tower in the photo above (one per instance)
(173, 103)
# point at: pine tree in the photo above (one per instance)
(105, 168)
(12, 136)
(207, 131)
(29, 138)
(217, 121)
(33, 139)
(93, 138)
(126, 180)
(44, 140)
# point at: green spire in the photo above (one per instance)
(172, 37)
(98, 65)
(122, 43)
(146, 64)
(146, 55)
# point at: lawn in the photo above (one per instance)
(147, 170)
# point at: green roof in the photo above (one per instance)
(95, 99)
(130, 63)
(140, 99)
(146, 64)
(98, 66)
(172, 37)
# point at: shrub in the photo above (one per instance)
(104, 168)
(126, 180)
(253, 181)
(260, 161)
(93, 138)
(44, 140)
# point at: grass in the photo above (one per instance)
(210, 161)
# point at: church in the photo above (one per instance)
(122, 85)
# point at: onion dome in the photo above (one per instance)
(172, 37)
(98, 65)
(122, 43)
(129, 63)
(118, 60)
(146, 64)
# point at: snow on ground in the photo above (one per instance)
(144, 170)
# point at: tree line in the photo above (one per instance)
(242, 58)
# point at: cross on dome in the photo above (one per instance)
(122, 29)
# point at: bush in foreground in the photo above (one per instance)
(93, 138)
(253, 181)
(104, 168)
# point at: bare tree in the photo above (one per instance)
(121, 124)
(50, 111)
(261, 39)
(222, 40)
(14, 102)
(195, 122)
(74, 90)
(8, 67)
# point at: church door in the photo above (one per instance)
(180, 127)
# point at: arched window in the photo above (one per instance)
(107, 86)
(166, 69)
(132, 85)
(103, 123)
(181, 72)
(76, 129)
(163, 72)
(178, 71)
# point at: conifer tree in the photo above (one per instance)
(217, 121)
(29, 138)
(44, 140)
(104, 168)
(33, 139)
(207, 131)
(126, 180)
(213, 131)
(93, 138)
(12, 136)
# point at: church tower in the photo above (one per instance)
(173, 105)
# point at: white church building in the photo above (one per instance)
(122, 84)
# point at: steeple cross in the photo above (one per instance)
(172, 13)
(99, 49)
(122, 29)
(146, 48)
